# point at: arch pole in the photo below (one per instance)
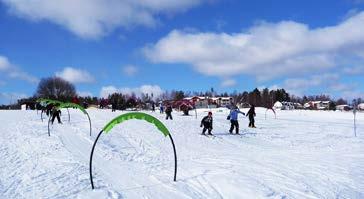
(49, 120)
(69, 116)
(93, 149)
(89, 120)
(91, 156)
(354, 122)
(175, 158)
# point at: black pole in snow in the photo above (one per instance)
(91, 156)
(355, 121)
(175, 158)
(49, 120)
(69, 116)
(92, 153)
(89, 120)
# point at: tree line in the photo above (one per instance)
(60, 89)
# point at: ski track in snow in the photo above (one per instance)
(301, 154)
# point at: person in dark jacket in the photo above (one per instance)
(169, 112)
(55, 112)
(49, 110)
(251, 114)
(113, 107)
(153, 107)
(206, 123)
(233, 117)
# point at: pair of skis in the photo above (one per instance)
(209, 135)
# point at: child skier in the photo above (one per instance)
(161, 109)
(56, 113)
(206, 122)
(153, 107)
(233, 117)
(113, 107)
(169, 112)
(251, 114)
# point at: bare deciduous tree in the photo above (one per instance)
(55, 88)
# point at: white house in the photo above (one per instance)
(278, 105)
(297, 105)
(287, 105)
(209, 102)
(317, 105)
(23, 107)
(361, 106)
(222, 101)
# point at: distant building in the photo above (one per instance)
(287, 105)
(278, 105)
(244, 105)
(222, 101)
(199, 102)
(317, 105)
(361, 107)
(24, 107)
(297, 105)
(209, 102)
(343, 107)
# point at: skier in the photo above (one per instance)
(206, 122)
(113, 107)
(251, 114)
(161, 109)
(233, 117)
(55, 112)
(48, 110)
(169, 112)
(153, 107)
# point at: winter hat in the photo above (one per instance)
(210, 113)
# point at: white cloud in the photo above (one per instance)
(266, 50)
(11, 98)
(298, 86)
(138, 91)
(107, 90)
(74, 75)
(356, 70)
(4, 63)
(14, 72)
(85, 94)
(130, 70)
(95, 18)
(18, 74)
(352, 94)
(228, 83)
(328, 83)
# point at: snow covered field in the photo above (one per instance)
(301, 154)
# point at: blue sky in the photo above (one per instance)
(306, 47)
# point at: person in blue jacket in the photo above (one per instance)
(233, 117)
(161, 109)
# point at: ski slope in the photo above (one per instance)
(301, 154)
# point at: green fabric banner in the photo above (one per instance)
(138, 116)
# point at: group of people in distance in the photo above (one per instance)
(206, 122)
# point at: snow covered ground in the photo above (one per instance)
(301, 154)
